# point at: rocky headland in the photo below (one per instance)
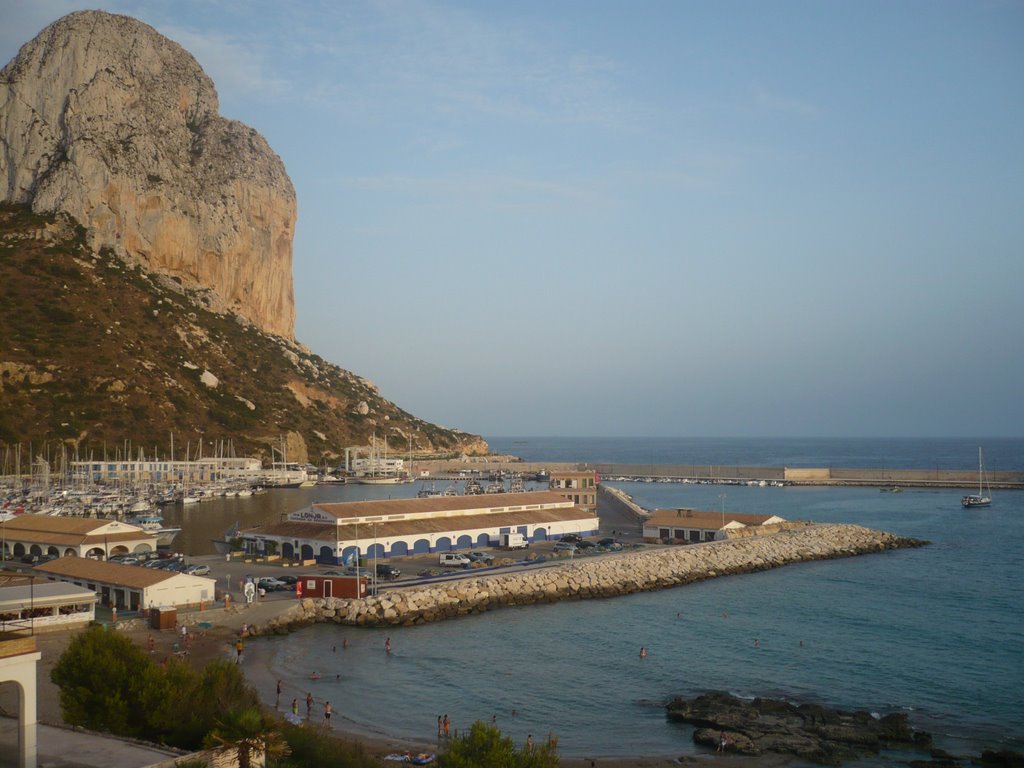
(146, 266)
(605, 576)
(106, 120)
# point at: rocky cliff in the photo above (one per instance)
(103, 118)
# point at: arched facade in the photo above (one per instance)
(400, 527)
(20, 669)
(399, 549)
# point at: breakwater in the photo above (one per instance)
(604, 576)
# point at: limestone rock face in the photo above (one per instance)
(107, 120)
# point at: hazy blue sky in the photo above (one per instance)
(644, 218)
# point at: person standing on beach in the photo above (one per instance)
(721, 742)
(529, 742)
(309, 704)
(327, 713)
(447, 725)
(440, 727)
(239, 647)
(295, 707)
(277, 702)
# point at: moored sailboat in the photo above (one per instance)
(983, 497)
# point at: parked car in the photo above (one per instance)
(481, 557)
(354, 570)
(609, 543)
(454, 559)
(586, 545)
(565, 546)
(387, 571)
(37, 559)
(333, 573)
(572, 538)
(270, 584)
(197, 569)
(288, 579)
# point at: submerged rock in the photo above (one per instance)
(808, 731)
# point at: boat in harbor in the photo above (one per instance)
(983, 497)
(427, 493)
(154, 524)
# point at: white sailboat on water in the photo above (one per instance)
(983, 497)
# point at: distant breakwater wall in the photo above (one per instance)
(604, 576)
(727, 473)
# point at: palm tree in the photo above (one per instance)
(244, 731)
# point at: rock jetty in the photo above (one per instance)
(605, 576)
(807, 731)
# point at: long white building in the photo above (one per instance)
(334, 532)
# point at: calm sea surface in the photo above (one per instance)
(936, 632)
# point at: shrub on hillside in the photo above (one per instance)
(484, 747)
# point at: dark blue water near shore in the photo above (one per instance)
(936, 632)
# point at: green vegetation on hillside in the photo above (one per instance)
(95, 352)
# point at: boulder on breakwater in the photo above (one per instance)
(604, 576)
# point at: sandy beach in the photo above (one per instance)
(218, 641)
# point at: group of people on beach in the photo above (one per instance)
(443, 726)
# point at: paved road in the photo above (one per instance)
(64, 748)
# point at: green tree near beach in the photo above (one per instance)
(107, 684)
(484, 747)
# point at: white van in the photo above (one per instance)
(455, 559)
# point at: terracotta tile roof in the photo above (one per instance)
(69, 531)
(385, 508)
(73, 540)
(690, 518)
(85, 568)
(55, 523)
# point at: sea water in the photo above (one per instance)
(935, 632)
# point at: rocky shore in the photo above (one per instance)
(605, 576)
(807, 731)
